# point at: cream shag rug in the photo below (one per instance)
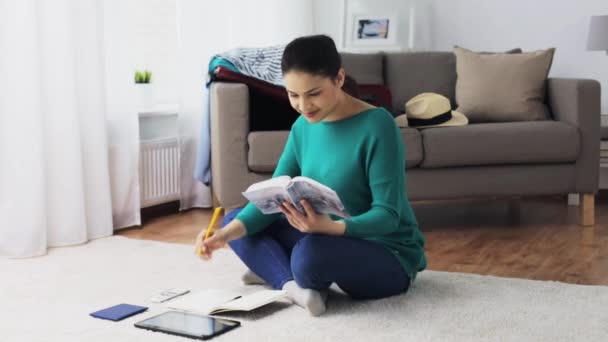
(49, 299)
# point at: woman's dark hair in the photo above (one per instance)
(316, 55)
(351, 87)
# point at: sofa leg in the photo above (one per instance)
(587, 210)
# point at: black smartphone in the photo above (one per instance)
(188, 324)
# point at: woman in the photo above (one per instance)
(355, 149)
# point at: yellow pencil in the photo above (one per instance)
(216, 213)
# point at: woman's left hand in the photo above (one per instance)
(311, 222)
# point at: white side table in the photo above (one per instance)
(159, 159)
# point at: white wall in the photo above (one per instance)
(531, 25)
(154, 28)
(204, 31)
(155, 45)
(121, 112)
(206, 28)
(502, 25)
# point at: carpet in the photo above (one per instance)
(49, 299)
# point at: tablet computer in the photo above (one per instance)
(188, 324)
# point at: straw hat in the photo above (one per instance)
(401, 120)
(432, 110)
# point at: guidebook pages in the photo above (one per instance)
(268, 195)
(213, 301)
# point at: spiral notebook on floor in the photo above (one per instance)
(213, 301)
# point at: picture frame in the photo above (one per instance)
(374, 30)
(383, 25)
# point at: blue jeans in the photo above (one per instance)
(280, 253)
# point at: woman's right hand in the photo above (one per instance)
(218, 239)
(207, 246)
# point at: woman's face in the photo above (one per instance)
(313, 96)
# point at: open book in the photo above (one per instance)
(213, 301)
(268, 195)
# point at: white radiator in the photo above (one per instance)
(159, 171)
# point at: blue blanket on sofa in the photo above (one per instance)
(262, 63)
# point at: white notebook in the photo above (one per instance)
(213, 301)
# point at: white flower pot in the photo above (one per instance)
(146, 95)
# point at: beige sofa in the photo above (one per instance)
(557, 156)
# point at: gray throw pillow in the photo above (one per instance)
(502, 87)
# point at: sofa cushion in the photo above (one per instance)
(500, 143)
(363, 67)
(413, 147)
(411, 73)
(604, 132)
(502, 87)
(265, 149)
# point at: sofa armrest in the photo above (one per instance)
(229, 115)
(577, 102)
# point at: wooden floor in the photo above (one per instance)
(534, 238)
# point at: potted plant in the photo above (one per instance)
(143, 80)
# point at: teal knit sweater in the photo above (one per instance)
(362, 158)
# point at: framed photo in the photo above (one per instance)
(373, 30)
(379, 25)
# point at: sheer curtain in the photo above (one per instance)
(68, 115)
(206, 28)
(121, 111)
(54, 181)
